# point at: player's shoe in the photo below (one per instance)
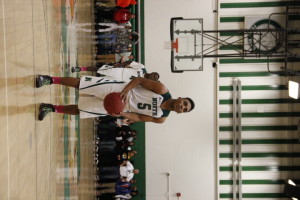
(75, 69)
(42, 80)
(44, 110)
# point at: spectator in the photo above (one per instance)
(126, 171)
(125, 3)
(120, 15)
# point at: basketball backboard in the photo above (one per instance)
(187, 44)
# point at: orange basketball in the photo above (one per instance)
(113, 103)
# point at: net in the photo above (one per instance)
(170, 45)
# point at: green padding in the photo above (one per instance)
(232, 19)
(263, 155)
(64, 33)
(242, 19)
(259, 101)
(140, 159)
(254, 195)
(267, 114)
(231, 34)
(255, 87)
(231, 47)
(262, 168)
(259, 4)
(261, 128)
(241, 60)
(250, 74)
(253, 182)
(261, 141)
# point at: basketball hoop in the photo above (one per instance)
(170, 45)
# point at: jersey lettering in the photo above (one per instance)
(146, 106)
(154, 106)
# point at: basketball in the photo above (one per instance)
(113, 103)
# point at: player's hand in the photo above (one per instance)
(124, 94)
(127, 121)
(117, 115)
(122, 59)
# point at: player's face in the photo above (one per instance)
(182, 105)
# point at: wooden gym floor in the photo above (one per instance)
(42, 160)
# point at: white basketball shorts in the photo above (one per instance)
(92, 91)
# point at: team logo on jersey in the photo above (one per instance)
(154, 106)
(88, 79)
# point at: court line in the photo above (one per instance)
(66, 132)
(33, 65)
(6, 94)
(17, 115)
(45, 10)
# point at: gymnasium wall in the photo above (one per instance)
(270, 151)
(195, 148)
(184, 145)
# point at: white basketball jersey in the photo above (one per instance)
(123, 74)
(145, 102)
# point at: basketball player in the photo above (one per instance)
(146, 100)
(125, 71)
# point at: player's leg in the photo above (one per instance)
(90, 107)
(99, 86)
(92, 92)
(42, 80)
(48, 108)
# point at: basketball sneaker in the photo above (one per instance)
(75, 69)
(44, 110)
(42, 80)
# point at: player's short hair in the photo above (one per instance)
(192, 103)
(157, 74)
(135, 37)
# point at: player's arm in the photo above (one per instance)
(124, 64)
(142, 118)
(154, 86)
